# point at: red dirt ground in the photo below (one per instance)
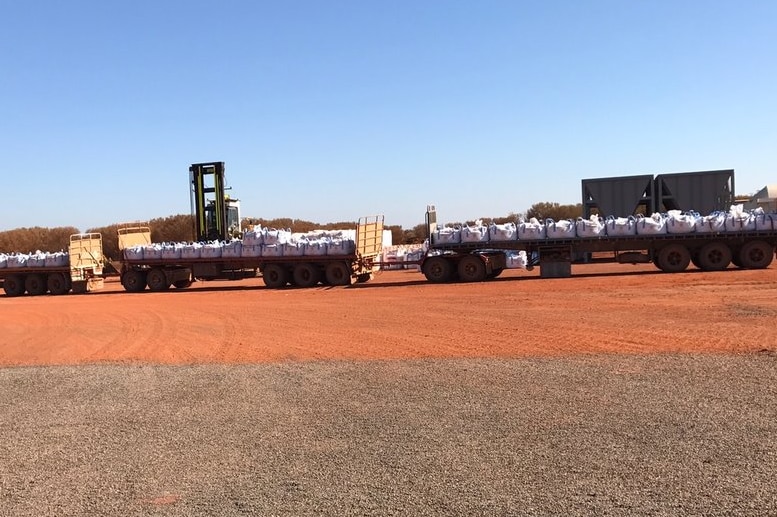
(601, 309)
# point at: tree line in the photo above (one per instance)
(180, 228)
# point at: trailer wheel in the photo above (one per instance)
(157, 280)
(13, 285)
(673, 258)
(338, 273)
(756, 255)
(182, 284)
(306, 275)
(133, 281)
(35, 284)
(715, 256)
(438, 270)
(472, 269)
(57, 284)
(274, 276)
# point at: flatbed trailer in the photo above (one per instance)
(82, 273)
(159, 274)
(671, 253)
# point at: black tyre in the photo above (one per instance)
(364, 277)
(306, 275)
(715, 256)
(133, 281)
(472, 269)
(673, 258)
(57, 283)
(35, 284)
(13, 285)
(274, 276)
(438, 270)
(756, 255)
(338, 273)
(157, 280)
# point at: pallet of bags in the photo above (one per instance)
(678, 221)
(620, 226)
(591, 227)
(532, 230)
(474, 233)
(711, 223)
(562, 229)
(502, 232)
(739, 220)
(653, 225)
(447, 235)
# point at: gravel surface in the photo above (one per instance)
(592, 435)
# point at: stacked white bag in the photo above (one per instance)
(502, 232)
(447, 235)
(531, 231)
(563, 229)
(738, 220)
(620, 226)
(591, 227)
(474, 233)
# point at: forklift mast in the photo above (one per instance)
(216, 216)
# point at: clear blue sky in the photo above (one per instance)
(331, 110)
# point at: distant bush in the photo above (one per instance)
(27, 240)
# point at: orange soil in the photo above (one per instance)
(601, 309)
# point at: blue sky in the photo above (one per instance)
(332, 110)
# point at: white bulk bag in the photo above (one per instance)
(341, 247)
(232, 249)
(133, 253)
(620, 226)
(502, 232)
(254, 236)
(474, 233)
(738, 220)
(712, 223)
(191, 251)
(274, 236)
(531, 231)
(272, 250)
(251, 250)
(58, 259)
(764, 221)
(17, 260)
(516, 259)
(316, 247)
(447, 235)
(679, 222)
(37, 259)
(152, 252)
(591, 227)
(653, 225)
(212, 250)
(3, 260)
(171, 251)
(294, 248)
(563, 229)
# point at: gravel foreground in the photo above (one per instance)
(596, 435)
